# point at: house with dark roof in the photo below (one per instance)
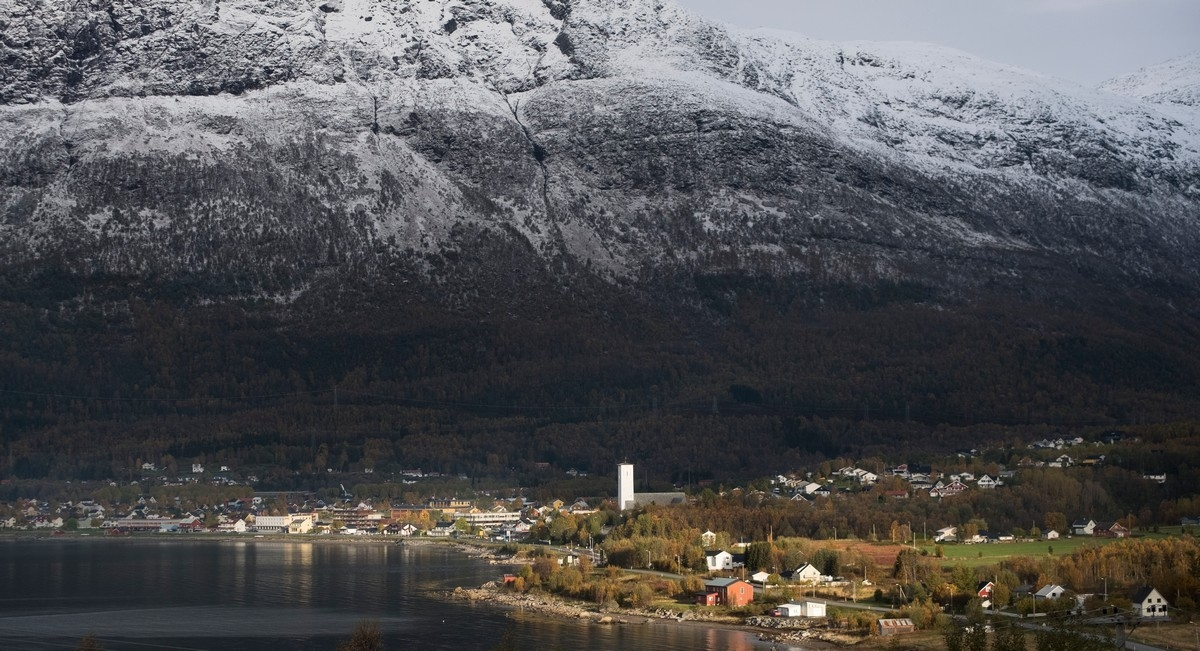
(1083, 527)
(726, 592)
(1148, 603)
(1110, 530)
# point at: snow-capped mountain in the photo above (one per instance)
(256, 148)
(1175, 81)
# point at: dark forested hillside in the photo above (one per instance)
(736, 379)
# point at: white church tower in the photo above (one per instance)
(625, 498)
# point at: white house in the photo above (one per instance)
(197, 468)
(807, 574)
(718, 560)
(865, 476)
(1083, 527)
(809, 488)
(1050, 535)
(708, 539)
(1147, 602)
(1050, 591)
(235, 526)
(986, 482)
(760, 577)
(945, 533)
(300, 524)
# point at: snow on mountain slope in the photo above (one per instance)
(1176, 81)
(265, 144)
(940, 106)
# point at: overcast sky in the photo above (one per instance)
(1086, 41)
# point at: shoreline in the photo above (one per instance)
(493, 594)
(766, 629)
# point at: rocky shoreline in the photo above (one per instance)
(773, 629)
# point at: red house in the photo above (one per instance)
(984, 591)
(1110, 530)
(726, 592)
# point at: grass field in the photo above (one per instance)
(991, 553)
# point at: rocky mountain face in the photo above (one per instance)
(518, 230)
(264, 148)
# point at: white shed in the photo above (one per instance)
(805, 609)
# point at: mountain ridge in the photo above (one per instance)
(1174, 81)
(522, 73)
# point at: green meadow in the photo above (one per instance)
(992, 553)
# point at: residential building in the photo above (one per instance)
(718, 559)
(449, 504)
(1083, 527)
(493, 518)
(1147, 602)
(1050, 591)
(945, 534)
(1110, 530)
(726, 592)
(272, 523)
(806, 573)
(234, 526)
(984, 591)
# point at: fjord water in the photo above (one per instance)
(234, 595)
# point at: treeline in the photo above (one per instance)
(1037, 500)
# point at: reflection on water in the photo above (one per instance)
(239, 595)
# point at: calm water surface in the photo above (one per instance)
(146, 594)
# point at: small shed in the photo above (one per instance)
(889, 627)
